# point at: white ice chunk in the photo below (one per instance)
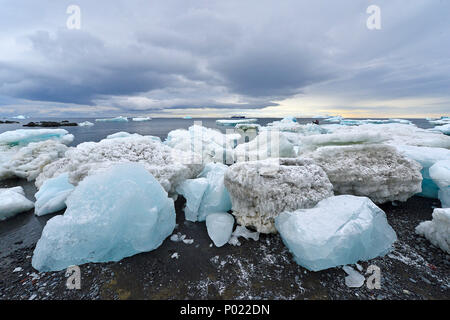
(437, 231)
(233, 122)
(116, 119)
(12, 202)
(260, 190)
(373, 170)
(219, 227)
(109, 216)
(440, 173)
(52, 195)
(85, 124)
(22, 137)
(354, 279)
(340, 230)
(140, 119)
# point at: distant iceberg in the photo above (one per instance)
(187, 117)
(234, 122)
(19, 117)
(140, 119)
(117, 119)
(85, 124)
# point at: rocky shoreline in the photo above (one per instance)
(262, 269)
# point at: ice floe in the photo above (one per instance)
(219, 227)
(233, 122)
(260, 190)
(437, 231)
(440, 174)
(12, 202)
(141, 119)
(206, 194)
(116, 119)
(88, 158)
(52, 195)
(85, 124)
(340, 230)
(109, 216)
(374, 170)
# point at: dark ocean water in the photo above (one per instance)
(159, 127)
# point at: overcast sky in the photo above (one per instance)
(216, 58)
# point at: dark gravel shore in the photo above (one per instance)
(255, 270)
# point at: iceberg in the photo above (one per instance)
(206, 194)
(117, 119)
(140, 119)
(123, 134)
(260, 190)
(85, 124)
(440, 174)
(340, 230)
(267, 144)
(219, 227)
(12, 202)
(335, 119)
(19, 117)
(23, 137)
(233, 122)
(445, 129)
(112, 215)
(165, 164)
(204, 145)
(187, 117)
(376, 171)
(427, 157)
(437, 231)
(52, 195)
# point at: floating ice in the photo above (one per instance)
(110, 216)
(140, 119)
(219, 227)
(23, 137)
(260, 190)
(445, 129)
(437, 231)
(373, 170)
(52, 195)
(335, 119)
(187, 117)
(123, 134)
(20, 117)
(233, 122)
(427, 157)
(354, 279)
(340, 230)
(267, 144)
(87, 158)
(440, 173)
(203, 144)
(12, 202)
(117, 119)
(85, 124)
(206, 194)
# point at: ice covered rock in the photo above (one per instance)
(203, 144)
(116, 119)
(110, 216)
(88, 158)
(340, 230)
(260, 190)
(427, 157)
(437, 231)
(52, 195)
(85, 124)
(206, 194)
(12, 202)
(440, 174)
(373, 170)
(268, 144)
(219, 227)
